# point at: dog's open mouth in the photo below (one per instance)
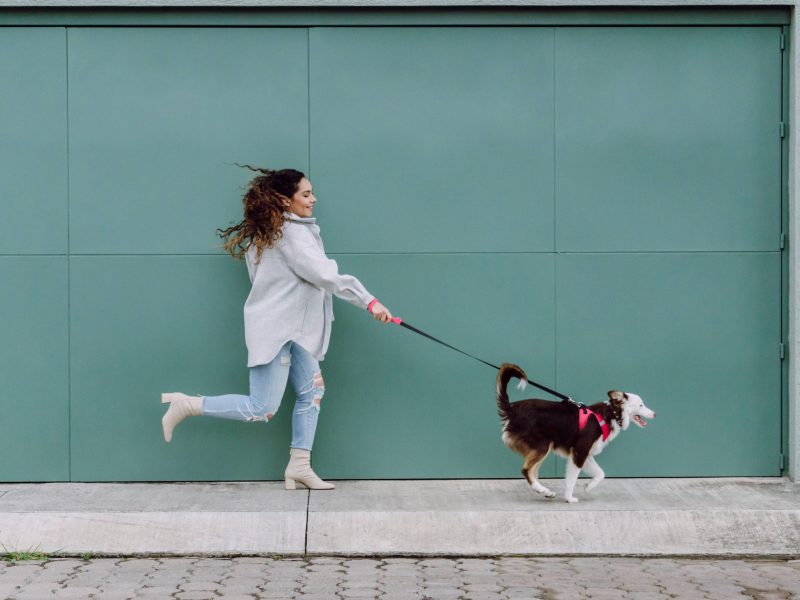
(639, 421)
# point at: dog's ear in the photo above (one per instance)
(616, 397)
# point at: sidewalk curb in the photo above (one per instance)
(676, 518)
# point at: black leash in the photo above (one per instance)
(402, 323)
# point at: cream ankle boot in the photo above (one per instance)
(299, 471)
(180, 407)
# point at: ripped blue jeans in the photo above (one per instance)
(267, 384)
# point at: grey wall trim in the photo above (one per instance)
(794, 256)
(393, 16)
(374, 3)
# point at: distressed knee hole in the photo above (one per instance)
(258, 417)
(319, 384)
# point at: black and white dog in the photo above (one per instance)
(534, 427)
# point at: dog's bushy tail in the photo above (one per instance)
(506, 372)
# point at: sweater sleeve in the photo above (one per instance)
(309, 262)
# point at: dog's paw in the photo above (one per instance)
(549, 494)
(571, 499)
(592, 484)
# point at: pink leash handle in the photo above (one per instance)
(397, 320)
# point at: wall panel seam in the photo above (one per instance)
(434, 253)
(69, 279)
(308, 93)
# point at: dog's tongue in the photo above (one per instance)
(639, 421)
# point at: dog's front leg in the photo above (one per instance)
(570, 478)
(593, 469)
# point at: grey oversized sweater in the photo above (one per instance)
(291, 294)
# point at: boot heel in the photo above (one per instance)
(289, 484)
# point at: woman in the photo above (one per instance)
(287, 315)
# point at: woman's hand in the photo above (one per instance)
(380, 312)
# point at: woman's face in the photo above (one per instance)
(302, 203)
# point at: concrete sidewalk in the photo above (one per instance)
(642, 517)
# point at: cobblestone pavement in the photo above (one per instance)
(331, 578)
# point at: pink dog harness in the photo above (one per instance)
(583, 418)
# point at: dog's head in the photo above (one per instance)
(630, 407)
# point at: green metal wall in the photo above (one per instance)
(601, 205)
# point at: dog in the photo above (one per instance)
(534, 427)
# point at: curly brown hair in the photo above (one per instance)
(264, 211)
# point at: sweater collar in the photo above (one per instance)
(294, 217)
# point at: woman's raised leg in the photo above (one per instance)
(267, 384)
